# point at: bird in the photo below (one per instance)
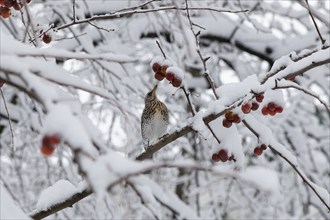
(154, 119)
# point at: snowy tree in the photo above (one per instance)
(246, 84)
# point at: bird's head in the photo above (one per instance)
(151, 96)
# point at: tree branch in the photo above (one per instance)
(295, 167)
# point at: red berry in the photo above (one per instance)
(215, 158)
(47, 150)
(272, 113)
(255, 106)
(226, 123)
(246, 108)
(257, 151)
(17, 6)
(5, 12)
(263, 146)
(9, 3)
(159, 76)
(176, 82)
(279, 109)
(46, 38)
(271, 106)
(223, 155)
(229, 116)
(163, 69)
(170, 76)
(156, 67)
(50, 140)
(259, 98)
(265, 111)
(236, 119)
(48, 144)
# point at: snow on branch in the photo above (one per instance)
(120, 14)
(264, 133)
(293, 65)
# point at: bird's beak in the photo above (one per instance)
(154, 90)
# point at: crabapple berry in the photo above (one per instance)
(176, 82)
(5, 12)
(156, 67)
(259, 98)
(226, 123)
(246, 108)
(265, 111)
(257, 151)
(46, 38)
(159, 76)
(263, 146)
(279, 109)
(48, 144)
(255, 106)
(163, 69)
(236, 119)
(223, 155)
(170, 76)
(271, 106)
(215, 158)
(229, 115)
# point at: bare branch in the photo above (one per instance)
(142, 11)
(196, 35)
(316, 27)
(295, 167)
(161, 49)
(9, 120)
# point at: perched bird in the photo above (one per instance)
(154, 119)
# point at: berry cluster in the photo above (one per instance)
(259, 149)
(48, 144)
(230, 118)
(247, 107)
(7, 4)
(271, 109)
(164, 68)
(223, 156)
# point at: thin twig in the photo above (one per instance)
(74, 10)
(295, 167)
(142, 11)
(196, 35)
(305, 91)
(161, 49)
(193, 112)
(316, 27)
(101, 28)
(9, 120)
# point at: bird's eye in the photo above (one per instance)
(149, 93)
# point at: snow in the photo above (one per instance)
(264, 178)
(275, 96)
(13, 47)
(230, 141)
(237, 90)
(176, 70)
(8, 208)
(55, 194)
(166, 197)
(157, 59)
(56, 122)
